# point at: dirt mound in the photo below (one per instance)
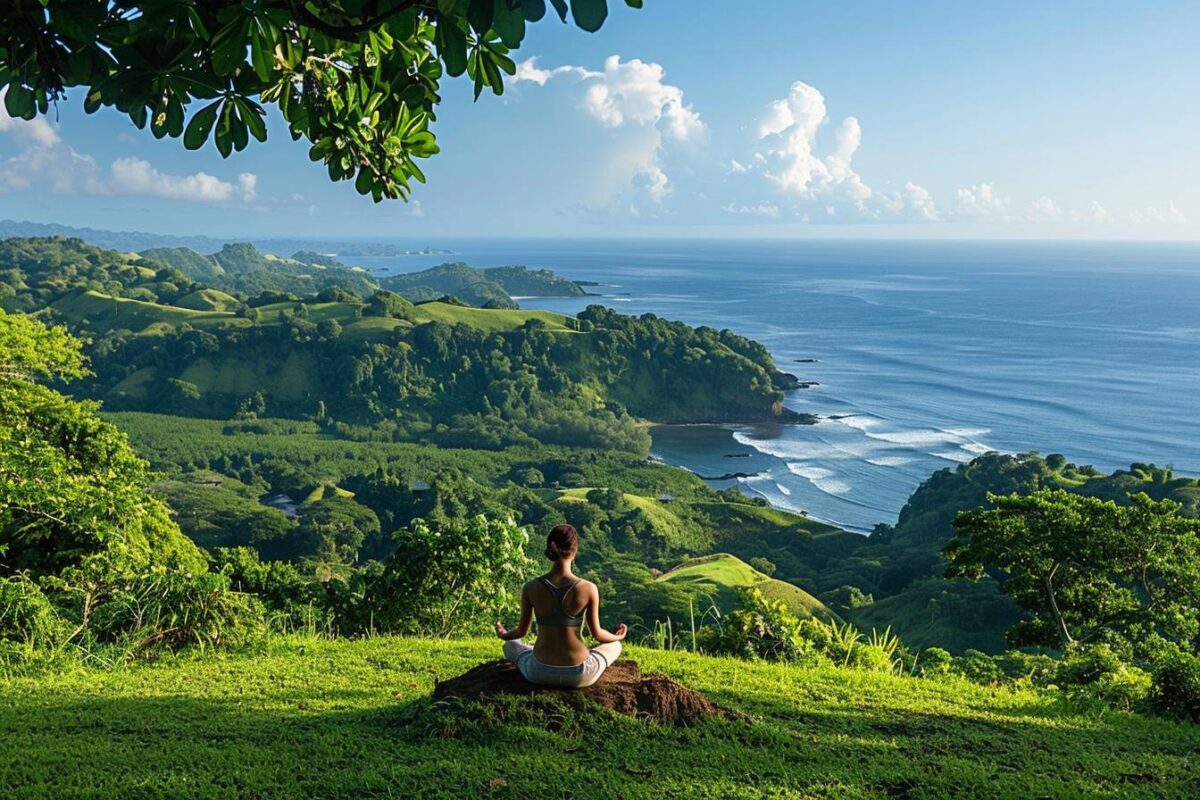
(622, 688)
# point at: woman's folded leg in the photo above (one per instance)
(515, 648)
(611, 652)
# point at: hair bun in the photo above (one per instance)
(562, 542)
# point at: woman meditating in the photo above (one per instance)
(559, 600)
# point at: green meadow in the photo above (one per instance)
(307, 717)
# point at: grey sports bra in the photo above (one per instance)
(558, 616)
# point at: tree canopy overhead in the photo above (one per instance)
(358, 79)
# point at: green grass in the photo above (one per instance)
(208, 300)
(348, 719)
(490, 320)
(134, 315)
(722, 576)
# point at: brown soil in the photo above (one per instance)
(622, 688)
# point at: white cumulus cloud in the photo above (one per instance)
(981, 202)
(137, 176)
(632, 95)
(788, 130)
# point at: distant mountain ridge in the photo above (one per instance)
(134, 241)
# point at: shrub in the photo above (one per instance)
(458, 578)
(1037, 669)
(27, 616)
(292, 598)
(144, 610)
(761, 628)
(979, 667)
(763, 565)
(1175, 689)
(1098, 673)
(935, 661)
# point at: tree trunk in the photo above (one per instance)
(1063, 633)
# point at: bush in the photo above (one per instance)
(1098, 673)
(763, 565)
(762, 628)
(979, 667)
(292, 598)
(458, 578)
(1175, 688)
(935, 661)
(27, 616)
(144, 610)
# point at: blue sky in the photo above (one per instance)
(773, 118)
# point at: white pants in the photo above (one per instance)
(576, 677)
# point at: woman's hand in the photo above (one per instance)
(501, 631)
(619, 634)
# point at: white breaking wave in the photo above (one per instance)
(889, 461)
(858, 422)
(783, 489)
(795, 450)
(821, 478)
(958, 456)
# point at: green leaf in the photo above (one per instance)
(452, 48)
(634, 3)
(533, 10)
(262, 50)
(254, 117)
(560, 6)
(229, 46)
(479, 14)
(364, 181)
(509, 24)
(92, 103)
(589, 14)
(224, 136)
(19, 101)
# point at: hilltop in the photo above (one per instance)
(720, 577)
(310, 717)
(492, 288)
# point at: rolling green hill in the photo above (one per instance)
(486, 319)
(243, 269)
(494, 287)
(308, 718)
(209, 300)
(105, 311)
(721, 576)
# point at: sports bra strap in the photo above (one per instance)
(558, 615)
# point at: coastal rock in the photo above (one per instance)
(622, 689)
(785, 414)
(784, 380)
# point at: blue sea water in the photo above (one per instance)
(926, 353)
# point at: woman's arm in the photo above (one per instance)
(522, 626)
(593, 620)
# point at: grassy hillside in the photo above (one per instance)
(486, 319)
(104, 311)
(721, 576)
(347, 719)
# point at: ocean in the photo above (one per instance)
(926, 354)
